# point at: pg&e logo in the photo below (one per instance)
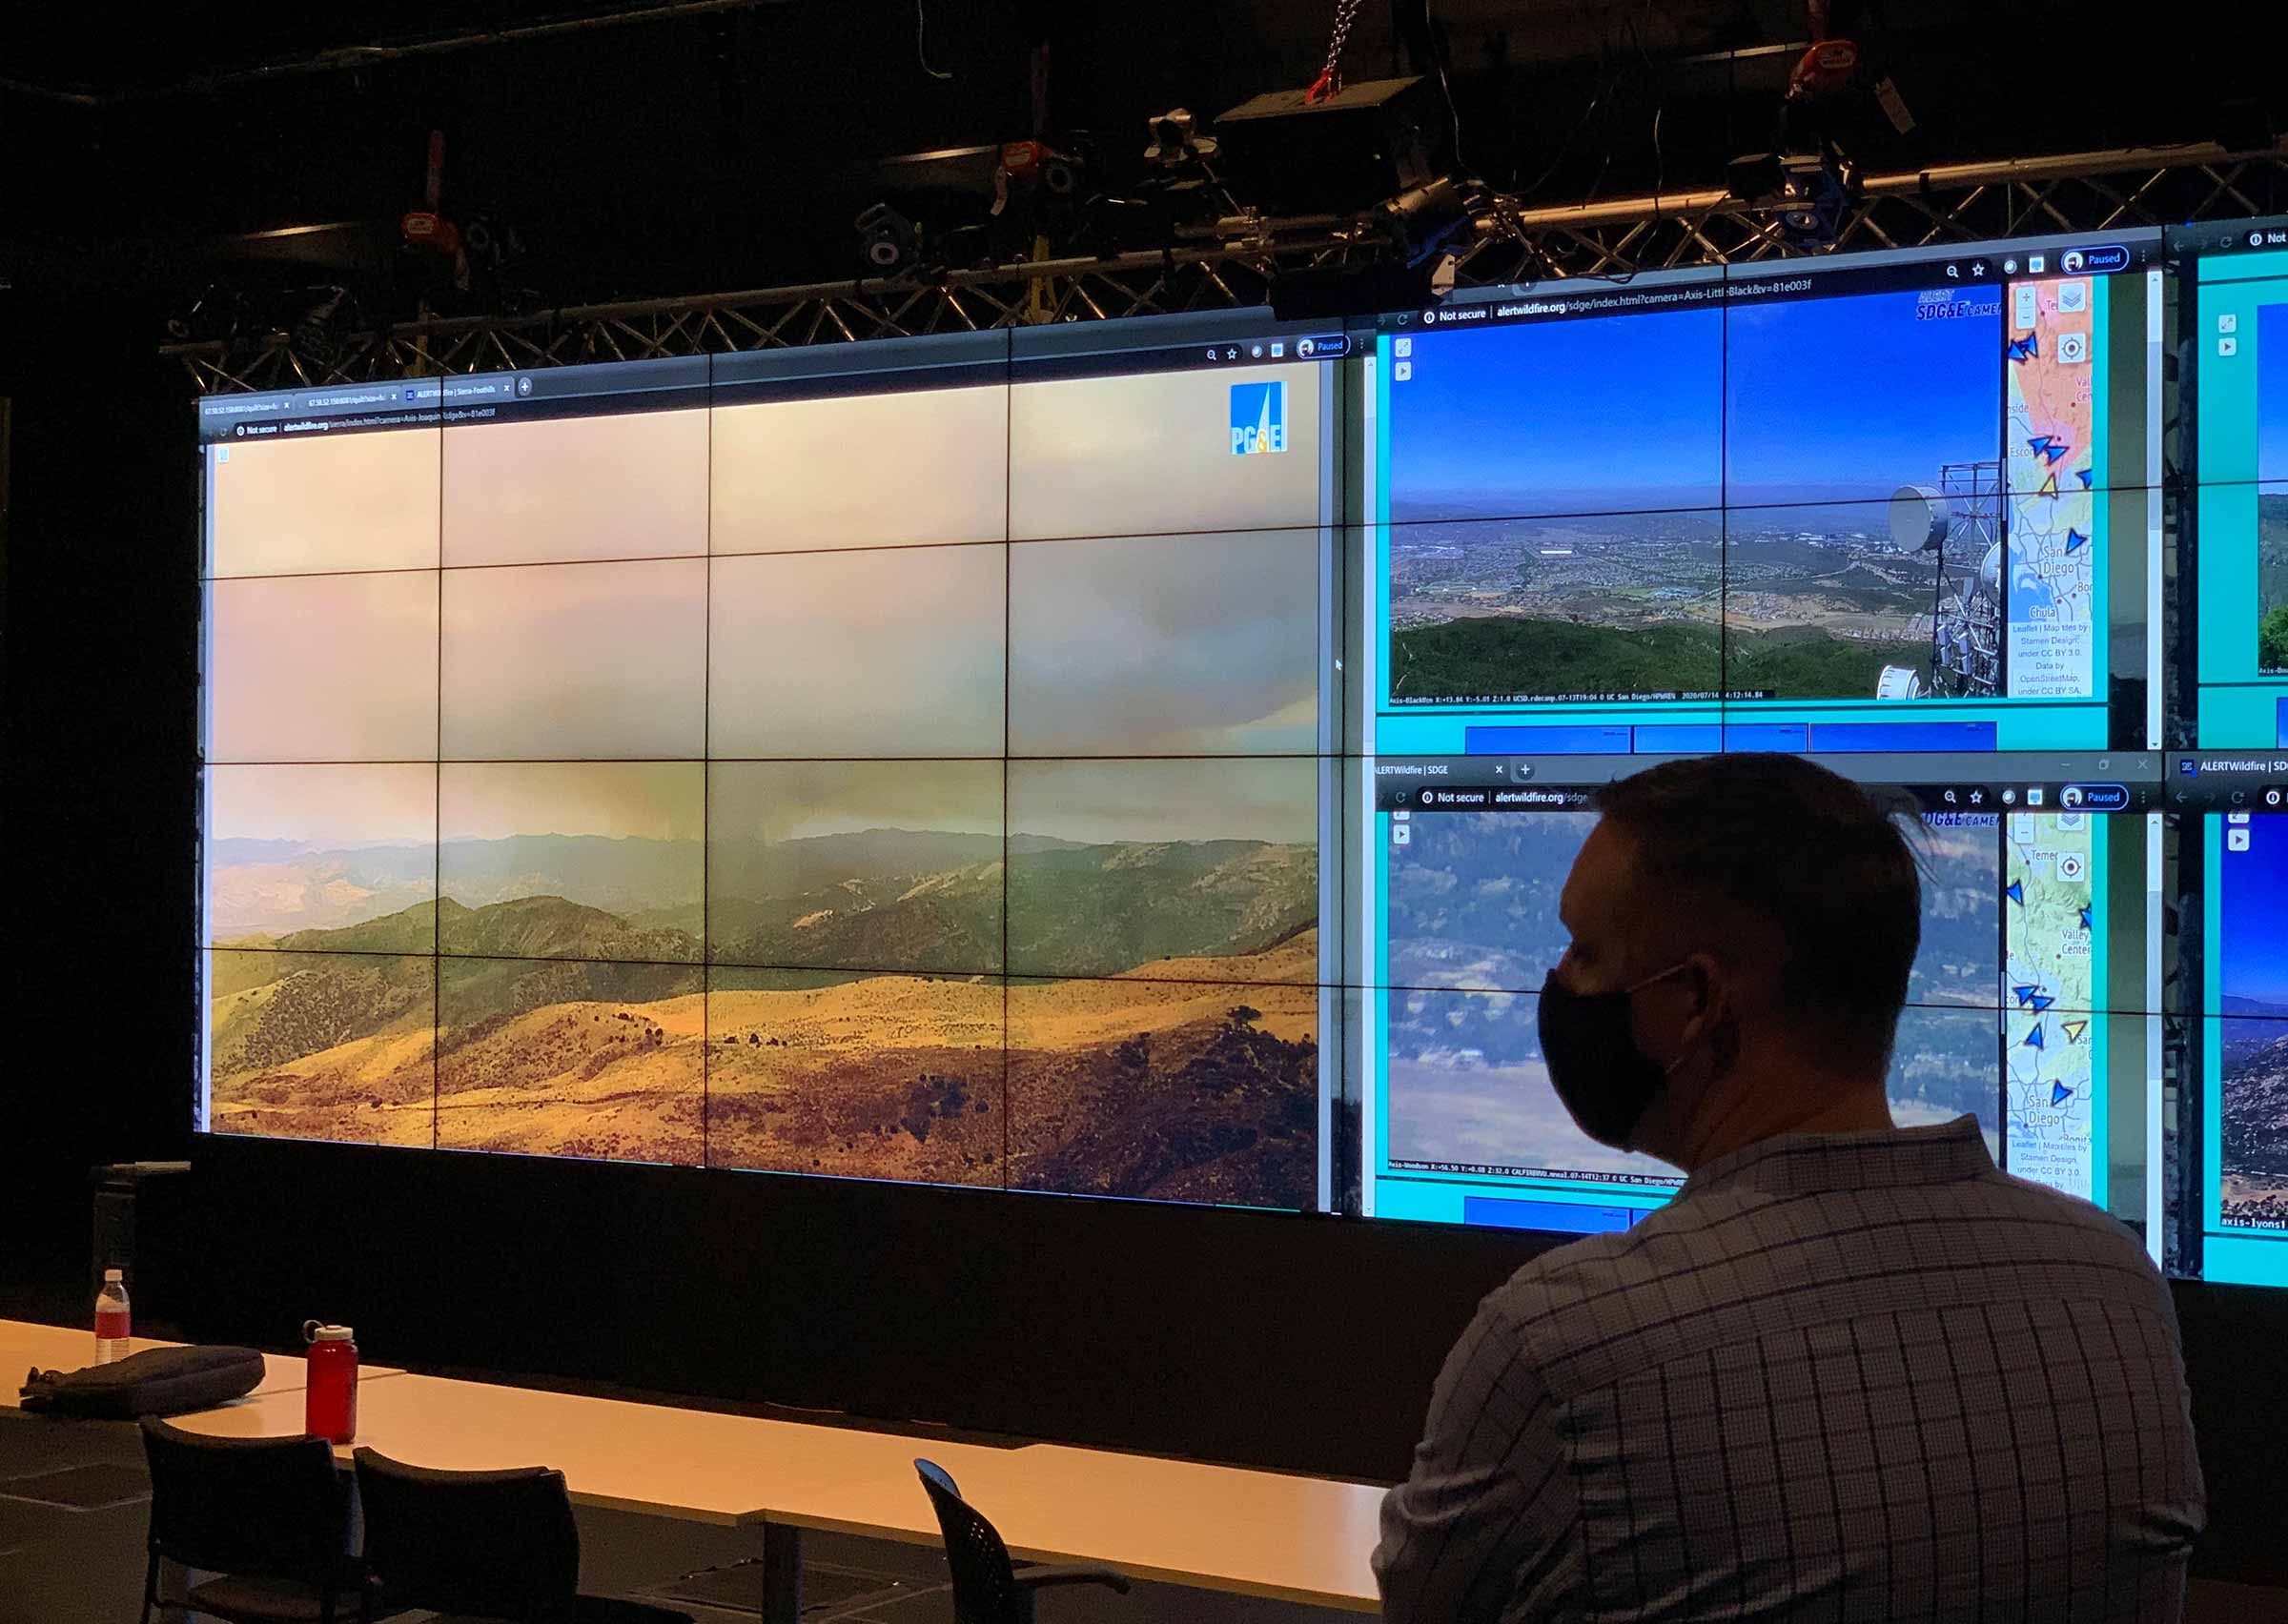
(1259, 417)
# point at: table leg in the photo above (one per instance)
(782, 1573)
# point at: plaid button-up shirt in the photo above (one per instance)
(1853, 1376)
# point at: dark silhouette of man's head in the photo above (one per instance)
(1787, 901)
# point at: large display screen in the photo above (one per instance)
(2232, 580)
(1140, 758)
(905, 761)
(1882, 502)
(2028, 1005)
(2227, 628)
(1900, 512)
(2230, 1016)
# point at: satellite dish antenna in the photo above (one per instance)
(1898, 682)
(1920, 517)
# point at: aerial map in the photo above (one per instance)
(2049, 1009)
(2053, 507)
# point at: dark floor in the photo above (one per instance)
(67, 1565)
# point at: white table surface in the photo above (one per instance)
(25, 1346)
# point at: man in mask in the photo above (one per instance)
(1851, 1370)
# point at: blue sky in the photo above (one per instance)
(1602, 413)
(2253, 902)
(2272, 391)
(1806, 400)
(1850, 398)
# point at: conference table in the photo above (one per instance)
(26, 1346)
(1208, 1527)
(1262, 1533)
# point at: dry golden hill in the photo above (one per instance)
(1192, 1079)
(891, 1077)
(597, 1079)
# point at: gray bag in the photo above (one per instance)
(158, 1381)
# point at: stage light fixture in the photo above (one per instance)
(1808, 194)
(320, 333)
(889, 241)
(1424, 221)
(1176, 142)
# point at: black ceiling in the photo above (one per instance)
(716, 146)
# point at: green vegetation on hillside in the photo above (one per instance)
(2272, 640)
(474, 991)
(1502, 656)
(277, 1009)
(2272, 582)
(1505, 656)
(1794, 665)
(1102, 910)
(1080, 910)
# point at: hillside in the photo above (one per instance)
(1172, 1089)
(615, 1078)
(270, 886)
(892, 1077)
(274, 887)
(737, 867)
(1072, 909)
(890, 900)
(2252, 1125)
(1802, 663)
(1177, 1088)
(929, 921)
(552, 928)
(327, 1047)
(1107, 909)
(1506, 654)
(1151, 1079)
(618, 875)
(528, 927)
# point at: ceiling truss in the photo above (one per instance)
(2082, 192)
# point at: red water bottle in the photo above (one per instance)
(330, 1393)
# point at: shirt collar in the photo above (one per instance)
(1802, 1163)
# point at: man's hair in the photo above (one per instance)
(1781, 864)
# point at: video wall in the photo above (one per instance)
(901, 761)
(1139, 759)
(1897, 512)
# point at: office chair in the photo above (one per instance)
(270, 1517)
(493, 1545)
(988, 1587)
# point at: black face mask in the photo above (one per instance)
(1601, 1078)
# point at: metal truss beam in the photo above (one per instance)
(2081, 191)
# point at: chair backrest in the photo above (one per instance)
(272, 1507)
(496, 1543)
(985, 1584)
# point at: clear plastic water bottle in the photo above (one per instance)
(111, 1318)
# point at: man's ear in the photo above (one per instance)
(1715, 1018)
(1709, 983)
